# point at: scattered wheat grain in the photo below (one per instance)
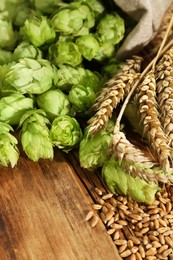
(89, 215)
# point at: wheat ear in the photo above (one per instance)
(113, 92)
(164, 81)
(149, 174)
(146, 96)
(136, 163)
(124, 150)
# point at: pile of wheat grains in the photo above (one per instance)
(139, 231)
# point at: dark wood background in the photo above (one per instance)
(42, 212)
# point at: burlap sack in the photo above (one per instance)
(148, 14)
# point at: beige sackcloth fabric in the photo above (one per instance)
(148, 15)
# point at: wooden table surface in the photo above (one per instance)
(42, 212)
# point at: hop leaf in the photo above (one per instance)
(132, 114)
(111, 68)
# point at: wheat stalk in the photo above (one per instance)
(113, 92)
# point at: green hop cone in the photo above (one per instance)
(83, 95)
(111, 28)
(110, 68)
(74, 18)
(34, 135)
(55, 103)
(32, 76)
(10, 9)
(68, 76)
(5, 88)
(96, 6)
(88, 46)
(94, 150)
(106, 51)
(9, 153)
(82, 98)
(8, 35)
(45, 7)
(65, 52)
(90, 79)
(23, 12)
(117, 180)
(65, 133)
(39, 31)
(5, 57)
(13, 107)
(26, 50)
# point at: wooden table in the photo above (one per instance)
(42, 212)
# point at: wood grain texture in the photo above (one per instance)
(42, 214)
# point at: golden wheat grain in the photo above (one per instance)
(139, 237)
